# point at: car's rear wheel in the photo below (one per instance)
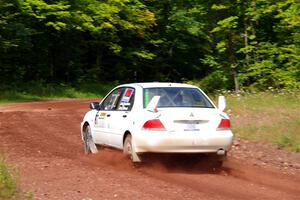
(217, 164)
(88, 143)
(128, 150)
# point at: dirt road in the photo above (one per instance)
(42, 140)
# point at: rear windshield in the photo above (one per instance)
(177, 97)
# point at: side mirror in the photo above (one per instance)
(221, 103)
(94, 105)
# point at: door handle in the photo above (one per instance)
(108, 115)
(124, 116)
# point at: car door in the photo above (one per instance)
(119, 119)
(103, 117)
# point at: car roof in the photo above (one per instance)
(158, 84)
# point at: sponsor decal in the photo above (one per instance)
(128, 92)
(125, 104)
(99, 120)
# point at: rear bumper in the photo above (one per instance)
(185, 142)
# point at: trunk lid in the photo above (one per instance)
(189, 119)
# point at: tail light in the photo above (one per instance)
(224, 124)
(154, 124)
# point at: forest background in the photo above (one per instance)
(81, 48)
(229, 44)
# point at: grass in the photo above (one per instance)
(38, 91)
(8, 185)
(271, 116)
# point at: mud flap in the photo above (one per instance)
(89, 144)
(135, 157)
(92, 146)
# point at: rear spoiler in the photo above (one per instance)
(152, 106)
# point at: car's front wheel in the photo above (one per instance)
(88, 143)
(128, 149)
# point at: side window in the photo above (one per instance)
(127, 99)
(112, 100)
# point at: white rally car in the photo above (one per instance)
(157, 118)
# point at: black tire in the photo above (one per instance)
(129, 150)
(86, 135)
(217, 160)
(88, 143)
(218, 164)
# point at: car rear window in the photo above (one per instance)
(177, 97)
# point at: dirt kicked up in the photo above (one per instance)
(42, 140)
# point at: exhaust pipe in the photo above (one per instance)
(221, 152)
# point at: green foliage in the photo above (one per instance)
(231, 44)
(276, 66)
(226, 24)
(184, 19)
(34, 91)
(8, 187)
(214, 81)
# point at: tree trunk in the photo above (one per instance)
(246, 40)
(98, 61)
(236, 81)
(233, 61)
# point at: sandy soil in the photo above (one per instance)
(42, 140)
